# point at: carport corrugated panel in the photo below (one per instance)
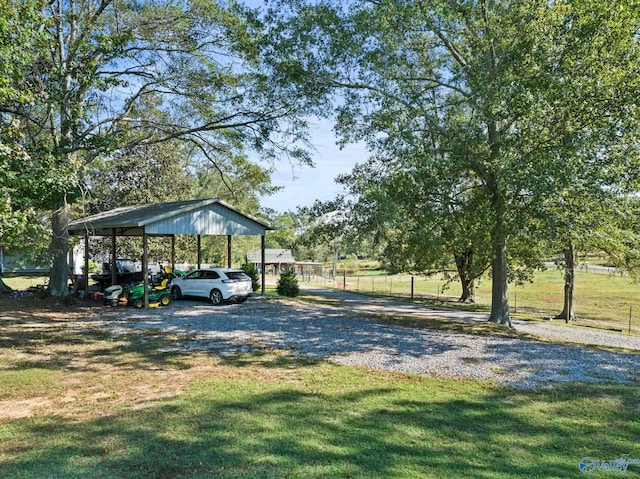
(214, 219)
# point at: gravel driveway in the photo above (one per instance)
(346, 335)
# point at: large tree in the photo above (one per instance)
(429, 222)
(194, 61)
(506, 93)
(604, 221)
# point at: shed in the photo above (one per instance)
(193, 217)
(276, 259)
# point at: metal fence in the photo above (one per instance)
(622, 316)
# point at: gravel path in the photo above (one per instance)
(555, 331)
(346, 335)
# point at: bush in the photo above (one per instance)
(253, 273)
(288, 283)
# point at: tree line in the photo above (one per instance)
(498, 131)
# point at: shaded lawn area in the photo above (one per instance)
(77, 402)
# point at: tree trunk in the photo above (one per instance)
(500, 280)
(499, 286)
(499, 267)
(568, 312)
(463, 264)
(468, 291)
(59, 275)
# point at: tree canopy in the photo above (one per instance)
(512, 102)
(117, 76)
(26, 182)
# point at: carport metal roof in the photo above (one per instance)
(192, 217)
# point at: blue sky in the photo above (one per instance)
(302, 185)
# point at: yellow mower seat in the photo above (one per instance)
(162, 286)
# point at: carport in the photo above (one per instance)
(193, 217)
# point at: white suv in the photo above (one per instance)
(217, 284)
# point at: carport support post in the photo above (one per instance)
(145, 262)
(228, 251)
(85, 276)
(173, 253)
(199, 252)
(114, 271)
(264, 259)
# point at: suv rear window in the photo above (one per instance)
(236, 275)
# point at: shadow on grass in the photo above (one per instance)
(484, 328)
(337, 297)
(373, 427)
(48, 343)
(266, 359)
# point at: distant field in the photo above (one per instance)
(25, 282)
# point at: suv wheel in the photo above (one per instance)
(176, 293)
(216, 297)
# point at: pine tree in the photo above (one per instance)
(288, 283)
(252, 271)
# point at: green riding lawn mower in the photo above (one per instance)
(123, 294)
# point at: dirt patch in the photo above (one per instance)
(19, 409)
(75, 368)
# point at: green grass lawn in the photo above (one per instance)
(81, 403)
(273, 417)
